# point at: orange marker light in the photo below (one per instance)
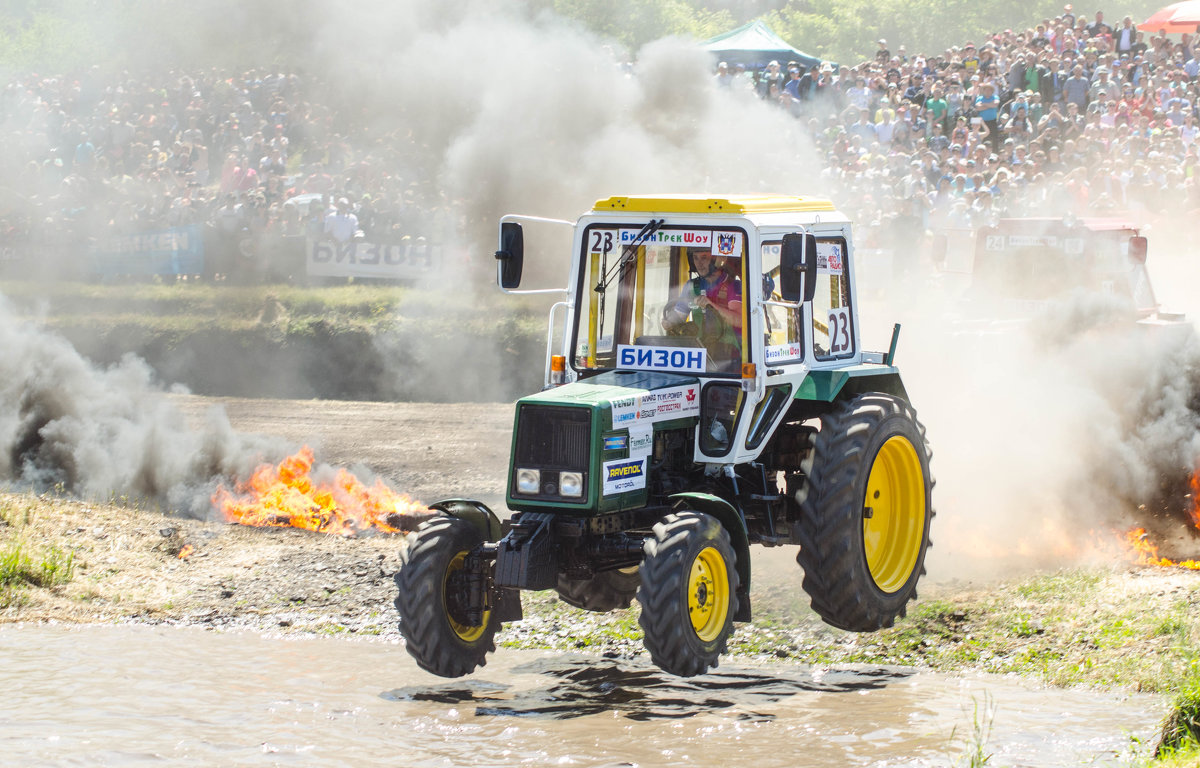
(558, 365)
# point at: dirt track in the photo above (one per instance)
(430, 451)
(126, 560)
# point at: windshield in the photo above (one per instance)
(668, 300)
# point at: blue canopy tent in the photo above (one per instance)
(754, 45)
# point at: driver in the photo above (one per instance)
(712, 302)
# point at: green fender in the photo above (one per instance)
(739, 537)
(475, 513)
(508, 601)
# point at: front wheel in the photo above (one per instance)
(865, 520)
(437, 585)
(688, 593)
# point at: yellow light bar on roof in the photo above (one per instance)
(701, 204)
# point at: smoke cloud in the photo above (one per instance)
(104, 433)
(1046, 437)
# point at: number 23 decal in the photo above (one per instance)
(602, 241)
(839, 330)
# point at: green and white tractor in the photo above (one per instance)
(709, 392)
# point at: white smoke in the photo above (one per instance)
(104, 433)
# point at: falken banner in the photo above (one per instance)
(170, 251)
(406, 260)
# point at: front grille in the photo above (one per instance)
(553, 437)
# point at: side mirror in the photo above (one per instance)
(511, 255)
(798, 268)
(1137, 249)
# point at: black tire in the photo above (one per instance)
(688, 593)
(860, 568)
(432, 620)
(606, 591)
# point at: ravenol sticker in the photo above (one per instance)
(615, 443)
(638, 358)
(624, 475)
(658, 405)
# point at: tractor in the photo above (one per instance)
(706, 391)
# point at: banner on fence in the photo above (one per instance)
(172, 251)
(405, 260)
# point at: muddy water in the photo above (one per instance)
(121, 696)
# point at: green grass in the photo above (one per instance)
(1180, 735)
(184, 308)
(18, 565)
(22, 565)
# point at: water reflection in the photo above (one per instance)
(132, 695)
(571, 688)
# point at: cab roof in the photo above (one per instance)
(732, 204)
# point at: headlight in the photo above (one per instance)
(570, 484)
(529, 481)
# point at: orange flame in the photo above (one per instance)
(1194, 512)
(1146, 552)
(287, 496)
(185, 551)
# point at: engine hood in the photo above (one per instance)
(631, 398)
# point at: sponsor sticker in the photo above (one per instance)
(777, 352)
(641, 440)
(624, 475)
(638, 358)
(721, 243)
(615, 443)
(659, 405)
(829, 258)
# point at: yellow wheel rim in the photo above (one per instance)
(894, 514)
(708, 594)
(465, 632)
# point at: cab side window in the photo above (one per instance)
(784, 334)
(833, 334)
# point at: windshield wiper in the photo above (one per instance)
(644, 234)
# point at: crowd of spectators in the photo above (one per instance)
(87, 157)
(1073, 115)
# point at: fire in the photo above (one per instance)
(185, 551)
(287, 496)
(1194, 511)
(1146, 552)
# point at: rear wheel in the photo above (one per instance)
(606, 591)
(865, 520)
(435, 586)
(688, 593)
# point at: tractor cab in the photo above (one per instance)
(1024, 265)
(743, 296)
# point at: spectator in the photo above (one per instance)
(342, 224)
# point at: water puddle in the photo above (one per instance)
(119, 696)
